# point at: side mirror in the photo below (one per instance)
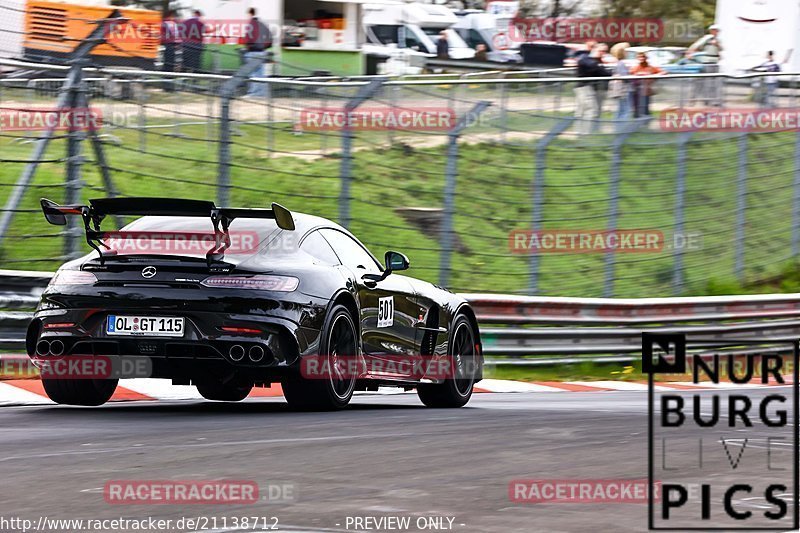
(395, 261)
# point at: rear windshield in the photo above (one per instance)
(194, 237)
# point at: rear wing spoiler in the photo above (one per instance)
(221, 217)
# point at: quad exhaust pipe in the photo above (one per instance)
(236, 352)
(42, 348)
(256, 353)
(55, 347)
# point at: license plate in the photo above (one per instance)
(144, 326)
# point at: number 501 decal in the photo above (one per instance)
(385, 312)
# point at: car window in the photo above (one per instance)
(413, 42)
(317, 247)
(350, 252)
(474, 38)
(385, 34)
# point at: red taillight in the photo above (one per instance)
(73, 277)
(259, 282)
(249, 331)
(60, 325)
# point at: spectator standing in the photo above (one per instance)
(481, 54)
(587, 110)
(708, 48)
(621, 90)
(707, 51)
(170, 41)
(257, 40)
(770, 82)
(442, 46)
(643, 90)
(193, 47)
(601, 90)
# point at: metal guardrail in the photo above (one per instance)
(532, 330)
(526, 330)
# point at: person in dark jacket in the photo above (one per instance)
(481, 54)
(587, 104)
(442, 46)
(170, 40)
(192, 33)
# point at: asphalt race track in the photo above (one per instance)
(385, 455)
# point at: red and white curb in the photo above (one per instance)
(30, 391)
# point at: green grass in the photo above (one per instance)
(494, 197)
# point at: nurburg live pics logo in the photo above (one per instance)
(723, 450)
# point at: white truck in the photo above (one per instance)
(751, 28)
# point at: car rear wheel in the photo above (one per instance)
(335, 388)
(455, 391)
(234, 389)
(79, 391)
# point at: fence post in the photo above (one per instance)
(364, 93)
(323, 136)
(210, 92)
(741, 207)
(75, 160)
(503, 110)
(142, 116)
(447, 236)
(680, 196)
(613, 199)
(796, 199)
(227, 93)
(538, 195)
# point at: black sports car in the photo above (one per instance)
(304, 304)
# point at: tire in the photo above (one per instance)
(338, 337)
(235, 389)
(79, 391)
(456, 391)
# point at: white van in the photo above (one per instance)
(490, 30)
(413, 26)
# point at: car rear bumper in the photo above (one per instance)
(265, 342)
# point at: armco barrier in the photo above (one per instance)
(527, 330)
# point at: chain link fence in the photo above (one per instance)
(471, 198)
